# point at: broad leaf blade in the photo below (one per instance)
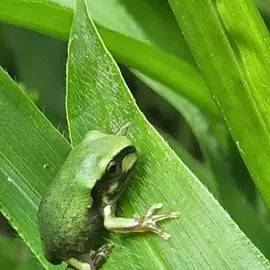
(221, 184)
(161, 65)
(234, 58)
(49, 17)
(31, 153)
(205, 237)
(132, 18)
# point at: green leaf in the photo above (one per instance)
(199, 124)
(222, 185)
(202, 172)
(42, 75)
(48, 17)
(220, 182)
(31, 153)
(234, 58)
(165, 68)
(131, 18)
(205, 236)
(161, 65)
(15, 255)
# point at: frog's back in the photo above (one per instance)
(69, 230)
(65, 212)
(68, 218)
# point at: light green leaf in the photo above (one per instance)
(161, 65)
(201, 170)
(205, 237)
(234, 58)
(31, 153)
(220, 182)
(132, 18)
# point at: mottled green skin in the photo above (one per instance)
(69, 220)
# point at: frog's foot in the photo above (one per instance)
(144, 223)
(149, 220)
(101, 255)
(77, 264)
(92, 261)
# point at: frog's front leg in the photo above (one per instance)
(144, 223)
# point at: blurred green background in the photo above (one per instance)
(37, 63)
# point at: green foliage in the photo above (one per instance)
(32, 150)
(243, 47)
(14, 255)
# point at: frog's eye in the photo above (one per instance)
(113, 168)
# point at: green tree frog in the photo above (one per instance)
(81, 201)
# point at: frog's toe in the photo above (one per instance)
(153, 209)
(155, 229)
(160, 217)
(101, 255)
(148, 222)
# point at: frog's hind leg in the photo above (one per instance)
(77, 264)
(100, 256)
(92, 261)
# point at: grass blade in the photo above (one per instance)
(28, 144)
(205, 236)
(235, 62)
(161, 65)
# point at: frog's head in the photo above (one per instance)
(120, 159)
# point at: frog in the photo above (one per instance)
(82, 199)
